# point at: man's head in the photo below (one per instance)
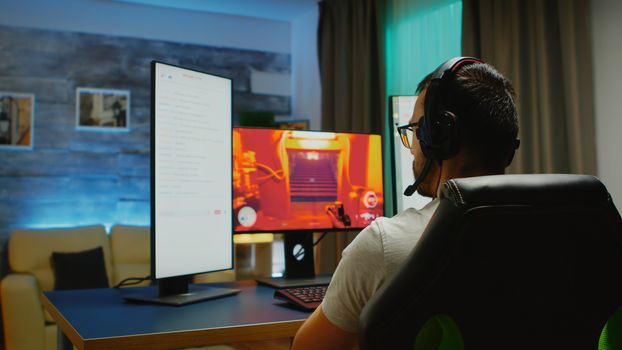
(478, 102)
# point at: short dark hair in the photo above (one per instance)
(423, 84)
(483, 100)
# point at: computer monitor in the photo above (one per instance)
(400, 111)
(191, 167)
(300, 182)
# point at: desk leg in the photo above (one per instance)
(62, 342)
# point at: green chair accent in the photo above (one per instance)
(611, 336)
(439, 333)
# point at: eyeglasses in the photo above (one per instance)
(406, 133)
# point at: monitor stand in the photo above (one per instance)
(178, 291)
(299, 264)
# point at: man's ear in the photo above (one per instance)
(513, 152)
(510, 158)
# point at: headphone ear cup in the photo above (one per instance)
(427, 122)
(441, 133)
(445, 136)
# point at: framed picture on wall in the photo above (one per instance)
(17, 112)
(102, 109)
(300, 124)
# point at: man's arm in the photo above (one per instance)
(319, 333)
(334, 323)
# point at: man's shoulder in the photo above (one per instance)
(374, 235)
(373, 255)
(385, 237)
(407, 220)
(400, 233)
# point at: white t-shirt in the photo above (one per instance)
(375, 254)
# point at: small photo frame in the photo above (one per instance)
(17, 111)
(102, 109)
(300, 124)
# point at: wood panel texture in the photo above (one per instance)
(74, 177)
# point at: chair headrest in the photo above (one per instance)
(531, 189)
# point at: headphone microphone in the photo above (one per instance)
(412, 188)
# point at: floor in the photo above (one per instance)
(281, 344)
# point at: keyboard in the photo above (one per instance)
(307, 298)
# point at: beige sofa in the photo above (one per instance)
(26, 325)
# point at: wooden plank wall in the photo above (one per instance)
(76, 177)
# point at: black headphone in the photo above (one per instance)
(437, 131)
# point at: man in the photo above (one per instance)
(482, 120)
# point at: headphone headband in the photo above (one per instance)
(452, 65)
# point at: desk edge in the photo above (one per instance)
(217, 336)
(62, 323)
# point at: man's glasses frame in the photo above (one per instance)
(407, 132)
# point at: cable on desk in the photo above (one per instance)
(130, 281)
(301, 252)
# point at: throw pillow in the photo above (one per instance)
(79, 270)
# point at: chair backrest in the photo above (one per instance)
(516, 261)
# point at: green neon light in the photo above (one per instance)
(419, 35)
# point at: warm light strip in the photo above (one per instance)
(314, 135)
(313, 144)
(254, 238)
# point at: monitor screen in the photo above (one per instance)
(286, 180)
(401, 109)
(191, 172)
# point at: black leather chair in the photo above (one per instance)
(516, 261)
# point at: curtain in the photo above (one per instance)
(350, 45)
(351, 65)
(544, 48)
(419, 36)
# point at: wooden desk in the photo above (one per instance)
(101, 319)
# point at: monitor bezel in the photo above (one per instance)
(393, 150)
(152, 170)
(303, 231)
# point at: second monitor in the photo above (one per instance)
(300, 182)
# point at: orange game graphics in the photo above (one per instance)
(305, 180)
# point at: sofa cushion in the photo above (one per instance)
(80, 270)
(30, 249)
(131, 252)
